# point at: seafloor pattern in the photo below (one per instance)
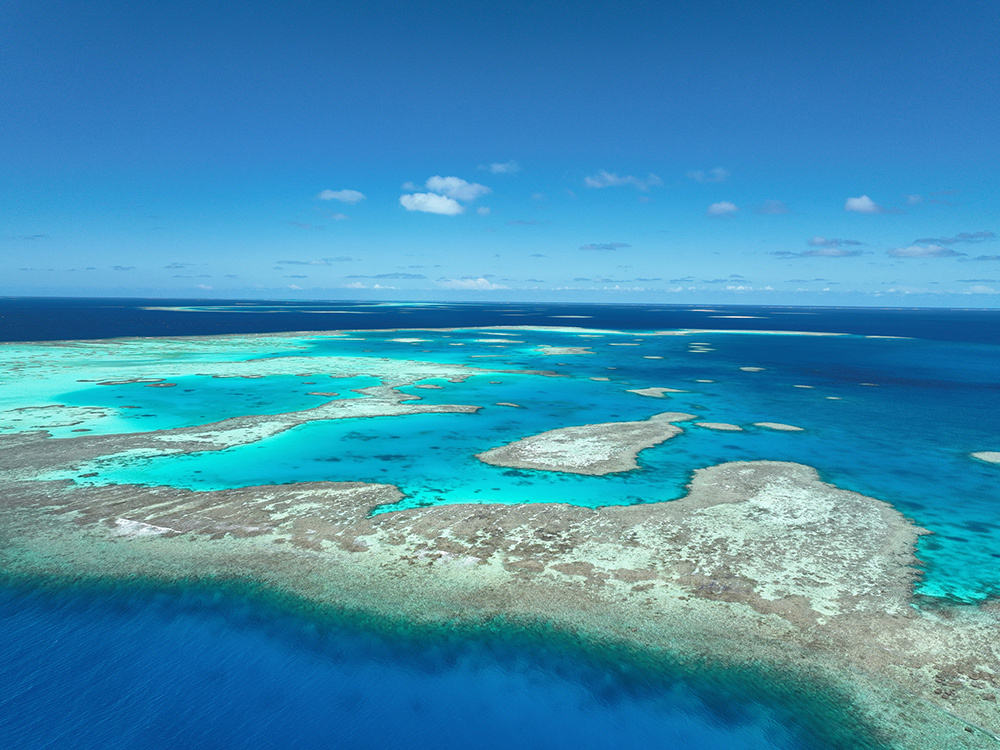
(522, 474)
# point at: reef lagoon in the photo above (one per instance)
(423, 525)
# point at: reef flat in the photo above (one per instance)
(760, 563)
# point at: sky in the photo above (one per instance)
(689, 151)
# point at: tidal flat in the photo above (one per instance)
(388, 476)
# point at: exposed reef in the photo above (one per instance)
(593, 449)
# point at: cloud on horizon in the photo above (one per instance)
(320, 262)
(923, 251)
(818, 241)
(395, 275)
(605, 179)
(469, 282)
(821, 252)
(605, 246)
(983, 236)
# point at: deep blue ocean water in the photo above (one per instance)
(895, 419)
(148, 668)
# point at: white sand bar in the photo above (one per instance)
(654, 392)
(721, 426)
(991, 457)
(778, 426)
(550, 351)
(592, 449)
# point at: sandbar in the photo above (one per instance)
(654, 392)
(778, 426)
(721, 426)
(592, 449)
(992, 457)
(550, 351)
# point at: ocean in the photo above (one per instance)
(892, 408)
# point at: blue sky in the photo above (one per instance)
(780, 152)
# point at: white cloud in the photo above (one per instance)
(457, 188)
(483, 210)
(914, 200)
(831, 252)
(431, 203)
(713, 175)
(605, 179)
(479, 283)
(863, 205)
(206, 287)
(960, 237)
(818, 241)
(344, 196)
(923, 251)
(320, 262)
(355, 285)
(605, 246)
(507, 167)
(981, 289)
(722, 208)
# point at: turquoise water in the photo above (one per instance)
(201, 399)
(891, 418)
